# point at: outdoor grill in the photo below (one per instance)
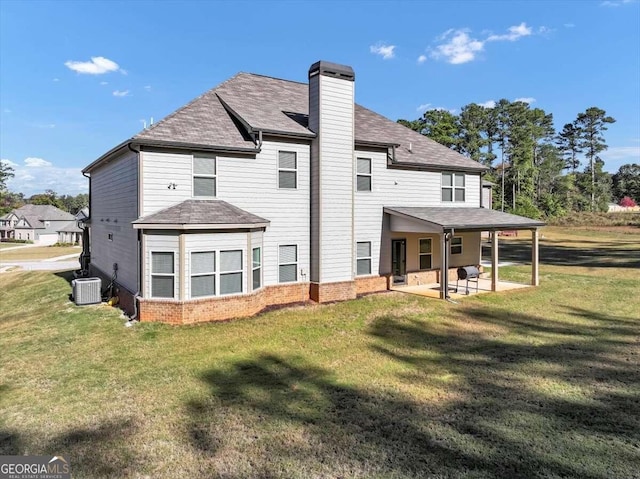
(470, 274)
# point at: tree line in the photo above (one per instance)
(10, 201)
(536, 171)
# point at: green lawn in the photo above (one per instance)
(38, 253)
(540, 382)
(9, 245)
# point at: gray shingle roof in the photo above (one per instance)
(194, 214)
(282, 106)
(464, 218)
(43, 212)
(70, 227)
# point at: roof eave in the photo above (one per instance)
(191, 226)
(405, 165)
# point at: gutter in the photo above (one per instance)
(403, 165)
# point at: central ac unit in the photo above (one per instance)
(86, 291)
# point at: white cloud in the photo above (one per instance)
(526, 99)
(33, 162)
(488, 104)
(35, 175)
(514, 33)
(569, 25)
(56, 79)
(8, 162)
(621, 153)
(121, 93)
(147, 87)
(459, 47)
(96, 66)
(422, 59)
(104, 83)
(616, 3)
(422, 108)
(384, 50)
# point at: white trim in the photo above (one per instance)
(208, 226)
(420, 254)
(370, 175)
(252, 268)
(195, 175)
(294, 170)
(297, 262)
(214, 273)
(460, 245)
(370, 258)
(453, 188)
(152, 274)
(222, 273)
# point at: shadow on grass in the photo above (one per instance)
(614, 256)
(101, 451)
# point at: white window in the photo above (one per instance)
(256, 268)
(363, 258)
(287, 170)
(425, 253)
(288, 263)
(204, 176)
(203, 274)
(230, 272)
(162, 275)
(456, 245)
(453, 188)
(363, 176)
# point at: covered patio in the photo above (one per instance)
(445, 222)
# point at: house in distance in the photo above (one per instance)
(266, 192)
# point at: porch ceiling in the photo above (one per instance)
(462, 219)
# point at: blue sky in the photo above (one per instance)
(77, 78)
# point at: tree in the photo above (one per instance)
(471, 123)
(568, 142)
(626, 182)
(591, 127)
(441, 126)
(6, 172)
(415, 125)
(49, 197)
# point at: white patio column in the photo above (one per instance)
(443, 266)
(535, 279)
(494, 261)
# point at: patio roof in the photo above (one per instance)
(470, 219)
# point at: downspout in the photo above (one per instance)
(445, 263)
(85, 256)
(139, 249)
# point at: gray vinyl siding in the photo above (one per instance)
(114, 199)
(394, 187)
(160, 169)
(252, 184)
(332, 113)
(162, 241)
(314, 125)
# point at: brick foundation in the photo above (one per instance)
(221, 308)
(329, 292)
(371, 284)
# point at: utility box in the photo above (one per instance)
(86, 291)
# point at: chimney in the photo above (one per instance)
(331, 111)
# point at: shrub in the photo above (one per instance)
(627, 202)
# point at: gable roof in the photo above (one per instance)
(43, 213)
(201, 214)
(229, 117)
(70, 227)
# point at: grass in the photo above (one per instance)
(4, 245)
(37, 253)
(538, 383)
